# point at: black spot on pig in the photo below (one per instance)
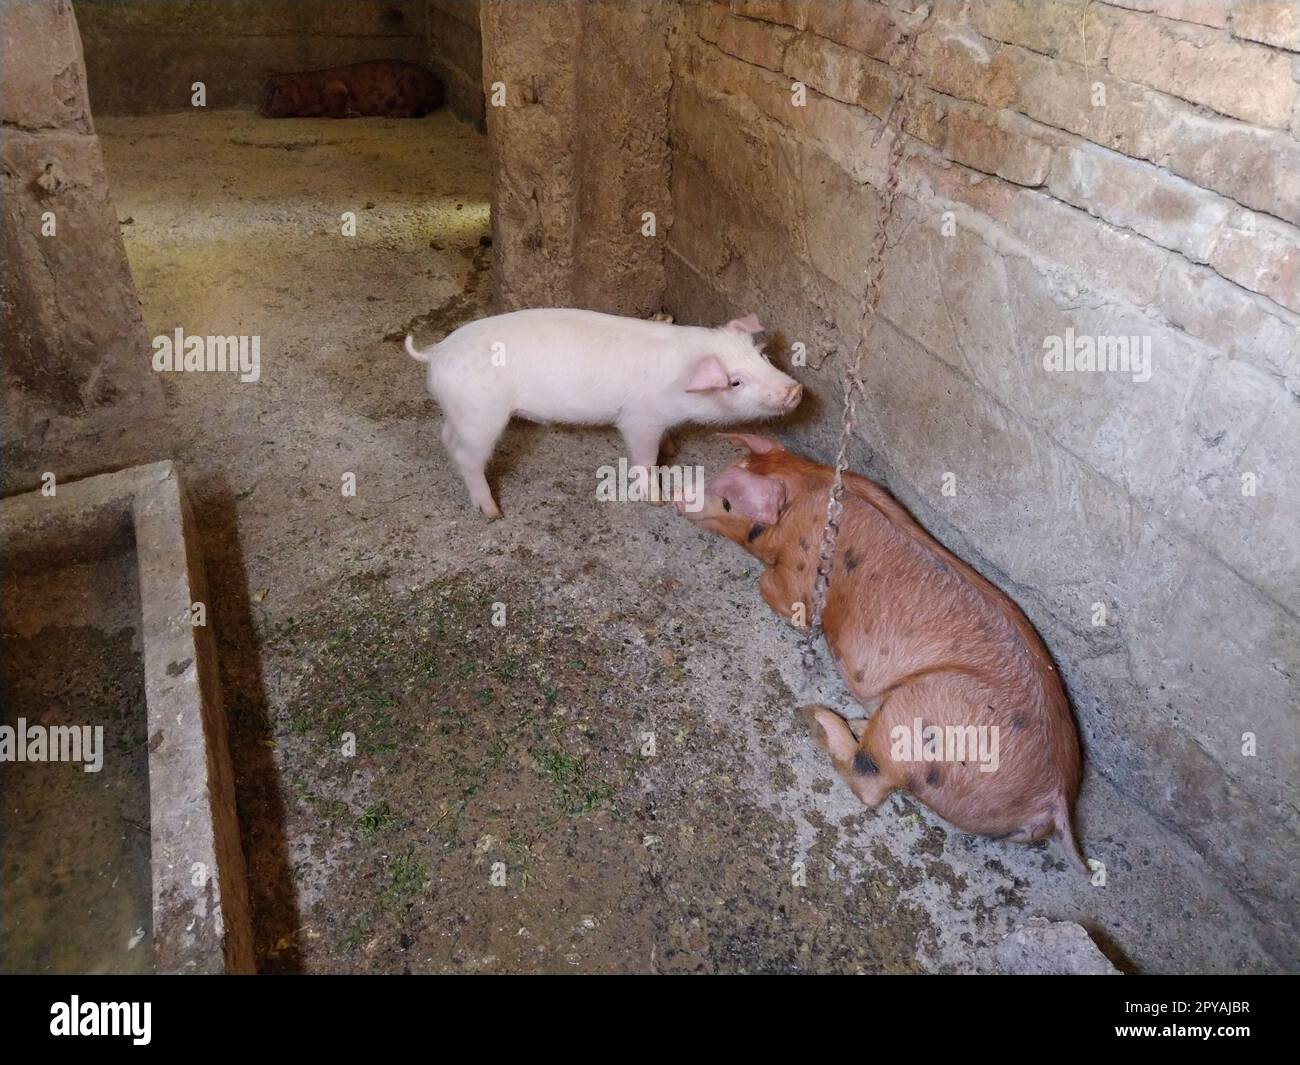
(932, 777)
(850, 561)
(863, 764)
(756, 532)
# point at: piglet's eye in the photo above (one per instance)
(736, 382)
(726, 505)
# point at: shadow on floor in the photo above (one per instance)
(259, 800)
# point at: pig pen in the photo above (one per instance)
(614, 780)
(371, 615)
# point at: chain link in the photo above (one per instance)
(896, 121)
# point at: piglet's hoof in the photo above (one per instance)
(809, 715)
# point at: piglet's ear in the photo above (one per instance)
(709, 376)
(772, 501)
(748, 324)
(752, 442)
(757, 497)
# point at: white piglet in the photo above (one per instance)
(584, 368)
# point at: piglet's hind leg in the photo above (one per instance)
(849, 756)
(470, 450)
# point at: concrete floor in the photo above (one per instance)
(513, 756)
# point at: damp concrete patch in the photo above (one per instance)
(119, 846)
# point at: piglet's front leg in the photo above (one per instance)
(642, 440)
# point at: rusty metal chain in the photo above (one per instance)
(896, 121)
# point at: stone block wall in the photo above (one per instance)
(580, 151)
(71, 325)
(1079, 173)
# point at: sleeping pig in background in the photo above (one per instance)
(584, 368)
(388, 87)
(967, 710)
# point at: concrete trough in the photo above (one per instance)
(134, 864)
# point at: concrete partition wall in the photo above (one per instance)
(198, 921)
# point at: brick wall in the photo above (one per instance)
(1115, 169)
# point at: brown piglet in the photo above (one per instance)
(967, 711)
(389, 87)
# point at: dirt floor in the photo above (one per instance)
(614, 780)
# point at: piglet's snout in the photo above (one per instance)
(783, 398)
